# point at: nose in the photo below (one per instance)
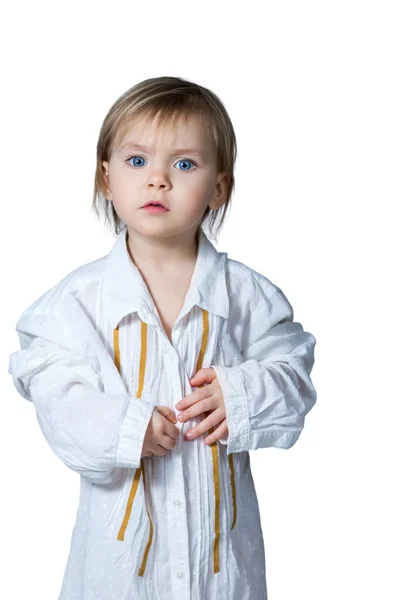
(159, 179)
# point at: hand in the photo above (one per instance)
(208, 398)
(161, 434)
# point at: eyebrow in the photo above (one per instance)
(175, 150)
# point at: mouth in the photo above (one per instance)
(156, 205)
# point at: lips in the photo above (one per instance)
(155, 203)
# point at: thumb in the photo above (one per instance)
(167, 412)
(203, 376)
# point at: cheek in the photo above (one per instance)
(125, 188)
(196, 188)
(129, 179)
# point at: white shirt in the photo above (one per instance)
(95, 360)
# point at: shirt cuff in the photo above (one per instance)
(236, 406)
(132, 432)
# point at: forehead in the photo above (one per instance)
(178, 133)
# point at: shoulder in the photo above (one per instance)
(59, 317)
(249, 288)
(80, 282)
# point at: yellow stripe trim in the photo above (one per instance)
(132, 494)
(117, 358)
(147, 549)
(233, 486)
(214, 450)
(139, 470)
(143, 355)
(213, 446)
(204, 341)
(217, 526)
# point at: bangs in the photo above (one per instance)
(164, 116)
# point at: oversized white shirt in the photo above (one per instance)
(95, 360)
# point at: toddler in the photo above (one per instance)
(155, 369)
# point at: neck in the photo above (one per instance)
(162, 254)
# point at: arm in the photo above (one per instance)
(91, 431)
(268, 395)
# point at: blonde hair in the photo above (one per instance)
(167, 99)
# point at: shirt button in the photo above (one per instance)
(179, 575)
(177, 503)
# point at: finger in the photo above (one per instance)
(159, 450)
(172, 417)
(167, 442)
(172, 431)
(167, 412)
(218, 433)
(211, 421)
(193, 398)
(208, 404)
(204, 375)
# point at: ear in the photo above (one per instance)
(220, 194)
(106, 180)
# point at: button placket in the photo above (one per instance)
(171, 354)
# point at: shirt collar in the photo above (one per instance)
(126, 292)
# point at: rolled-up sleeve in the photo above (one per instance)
(268, 395)
(93, 432)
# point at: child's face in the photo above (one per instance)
(162, 173)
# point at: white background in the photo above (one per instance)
(312, 89)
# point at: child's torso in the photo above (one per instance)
(168, 295)
(195, 527)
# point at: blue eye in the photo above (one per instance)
(185, 162)
(137, 157)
